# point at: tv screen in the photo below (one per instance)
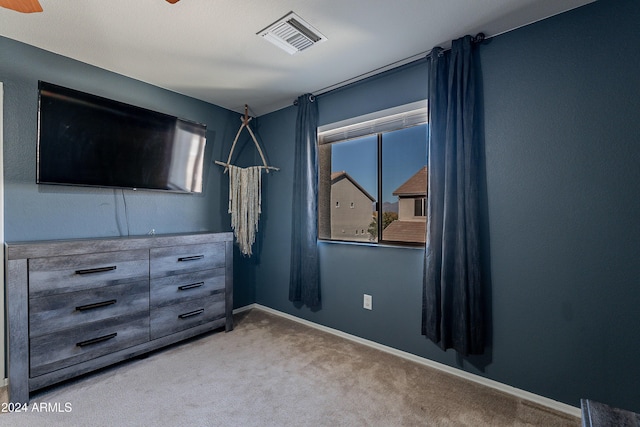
(88, 140)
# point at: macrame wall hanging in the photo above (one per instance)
(245, 192)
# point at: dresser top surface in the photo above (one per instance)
(38, 249)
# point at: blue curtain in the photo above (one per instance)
(304, 282)
(452, 310)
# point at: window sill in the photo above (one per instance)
(374, 245)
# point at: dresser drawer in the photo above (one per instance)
(71, 346)
(174, 318)
(180, 259)
(59, 274)
(184, 287)
(69, 310)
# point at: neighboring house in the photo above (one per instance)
(411, 225)
(351, 208)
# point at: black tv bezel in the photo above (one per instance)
(102, 100)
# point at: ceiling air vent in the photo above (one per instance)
(292, 34)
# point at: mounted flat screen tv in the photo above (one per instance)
(88, 140)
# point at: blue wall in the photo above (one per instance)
(42, 212)
(36, 212)
(560, 221)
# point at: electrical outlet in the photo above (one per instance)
(367, 302)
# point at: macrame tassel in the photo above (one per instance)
(245, 204)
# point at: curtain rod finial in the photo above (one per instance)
(479, 38)
(312, 98)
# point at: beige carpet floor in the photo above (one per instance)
(271, 371)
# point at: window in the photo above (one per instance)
(378, 165)
(420, 207)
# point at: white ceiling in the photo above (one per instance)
(208, 49)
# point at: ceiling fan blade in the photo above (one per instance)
(24, 6)
(173, 1)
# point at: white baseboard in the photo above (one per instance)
(519, 393)
(246, 308)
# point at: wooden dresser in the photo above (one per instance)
(74, 306)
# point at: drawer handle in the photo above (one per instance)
(97, 340)
(96, 305)
(190, 258)
(192, 313)
(96, 270)
(191, 286)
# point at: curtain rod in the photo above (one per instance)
(371, 73)
(477, 39)
(312, 98)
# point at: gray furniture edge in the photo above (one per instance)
(17, 302)
(597, 414)
(25, 250)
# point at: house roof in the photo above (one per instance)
(414, 186)
(406, 231)
(338, 176)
